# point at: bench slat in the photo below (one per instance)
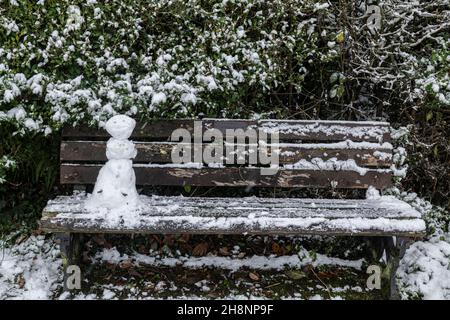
(178, 215)
(233, 176)
(304, 130)
(156, 129)
(328, 130)
(387, 206)
(160, 152)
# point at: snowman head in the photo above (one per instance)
(120, 126)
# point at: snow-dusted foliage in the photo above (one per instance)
(424, 272)
(434, 82)
(408, 54)
(436, 218)
(6, 164)
(177, 57)
(76, 61)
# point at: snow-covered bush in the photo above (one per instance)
(436, 218)
(6, 164)
(404, 54)
(424, 272)
(73, 61)
(434, 83)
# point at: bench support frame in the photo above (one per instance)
(395, 250)
(71, 247)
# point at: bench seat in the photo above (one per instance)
(251, 215)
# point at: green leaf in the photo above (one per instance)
(187, 188)
(436, 150)
(295, 275)
(333, 93)
(429, 115)
(340, 37)
(334, 77)
(340, 91)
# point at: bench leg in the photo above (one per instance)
(70, 245)
(395, 250)
(377, 247)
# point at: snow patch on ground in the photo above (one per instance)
(254, 262)
(30, 270)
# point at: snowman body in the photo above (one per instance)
(116, 182)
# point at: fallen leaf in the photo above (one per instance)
(326, 274)
(253, 276)
(133, 272)
(287, 249)
(21, 238)
(201, 249)
(295, 275)
(224, 251)
(241, 255)
(127, 264)
(185, 237)
(21, 281)
(37, 232)
(276, 248)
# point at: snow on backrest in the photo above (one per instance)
(311, 153)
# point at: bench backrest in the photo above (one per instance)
(317, 154)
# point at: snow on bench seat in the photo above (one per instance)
(251, 215)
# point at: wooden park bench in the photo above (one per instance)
(366, 143)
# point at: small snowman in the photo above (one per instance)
(116, 182)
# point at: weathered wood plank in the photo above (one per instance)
(234, 176)
(160, 152)
(386, 207)
(312, 130)
(148, 152)
(305, 130)
(64, 215)
(279, 226)
(393, 206)
(152, 129)
(211, 211)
